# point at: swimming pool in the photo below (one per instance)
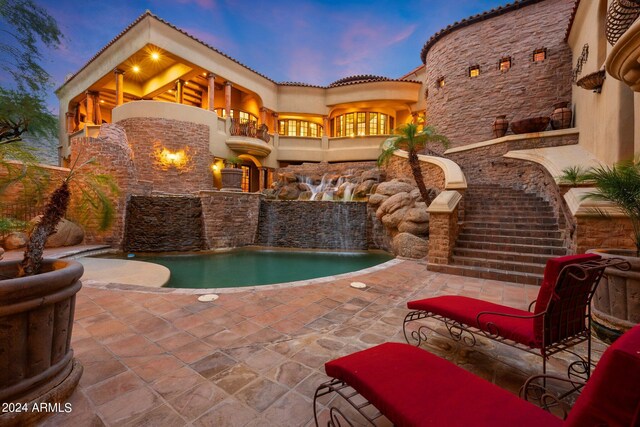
(250, 267)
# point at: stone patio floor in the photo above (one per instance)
(254, 358)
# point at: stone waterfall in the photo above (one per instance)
(163, 224)
(313, 224)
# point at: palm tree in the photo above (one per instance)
(619, 184)
(408, 138)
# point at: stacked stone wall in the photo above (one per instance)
(148, 136)
(597, 232)
(398, 167)
(163, 224)
(230, 219)
(464, 108)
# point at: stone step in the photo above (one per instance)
(523, 267)
(465, 236)
(490, 207)
(551, 234)
(487, 273)
(519, 219)
(508, 213)
(495, 225)
(502, 256)
(512, 247)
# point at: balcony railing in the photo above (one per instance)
(249, 129)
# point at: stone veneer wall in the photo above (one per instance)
(595, 232)
(465, 108)
(147, 136)
(163, 224)
(313, 224)
(113, 157)
(319, 169)
(230, 219)
(398, 167)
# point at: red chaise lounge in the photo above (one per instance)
(412, 387)
(561, 317)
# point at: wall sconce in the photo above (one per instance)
(215, 168)
(167, 159)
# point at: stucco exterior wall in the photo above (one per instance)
(605, 119)
(465, 108)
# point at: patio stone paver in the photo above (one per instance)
(255, 357)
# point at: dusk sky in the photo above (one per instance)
(314, 42)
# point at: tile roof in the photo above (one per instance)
(472, 20)
(571, 19)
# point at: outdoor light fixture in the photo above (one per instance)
(178, 159)
(215, 168)
(136, 69)
(155, 56)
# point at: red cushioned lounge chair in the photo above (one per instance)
(560, 320)
(412, 387)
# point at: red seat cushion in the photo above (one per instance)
(612, 394)
(551, 272)
(413, 387)
(465, 310)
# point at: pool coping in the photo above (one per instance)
(201, 291)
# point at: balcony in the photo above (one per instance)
(248, 138)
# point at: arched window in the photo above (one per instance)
(361, 123)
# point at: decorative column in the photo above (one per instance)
(97, 108)
(211, 78)
(227, 98)
(179, 91)
(276, 128)
(119, 86)
(263, 116)
(91, 101)
(325, 125)
(71, 121)
(261, 173)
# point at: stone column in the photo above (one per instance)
(227, 98)
(276, 128)
(443, 226)
(325, 125)
(71, 121)
(90, 107)
(179, 91)
(211, 78)
(261, 173)
(263, 116)
(119, 86)
(98, 110)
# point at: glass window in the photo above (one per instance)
(361, 124)
(383, 124)
(291, 128)
(349, 129)
(281, 127)
(373, 124)
(440, 82)
(505, 64)
(539, 55)
(340, 126)
(474, 71)
(313, 129)
(304, 128)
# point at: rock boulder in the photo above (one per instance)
(409, 246)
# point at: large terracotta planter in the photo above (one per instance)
(36, 321)
(616, 303)
(231, 179)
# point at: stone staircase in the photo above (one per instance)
(507, 235)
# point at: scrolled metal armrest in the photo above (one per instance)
(531, 305)
(515, 316)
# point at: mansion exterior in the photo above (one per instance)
(177, 98)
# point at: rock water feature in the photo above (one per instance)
(163, 224)
(313, 224)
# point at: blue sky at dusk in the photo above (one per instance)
(314, 42)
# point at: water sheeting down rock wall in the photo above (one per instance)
(313, 224)
(163, 224)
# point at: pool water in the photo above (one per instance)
(247, 267)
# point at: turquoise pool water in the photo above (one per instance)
(256, 267)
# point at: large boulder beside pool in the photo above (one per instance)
(15, 240)
(409, 246)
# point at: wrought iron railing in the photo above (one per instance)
(250, 129)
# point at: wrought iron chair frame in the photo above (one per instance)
(466, 334)
(349, 394)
